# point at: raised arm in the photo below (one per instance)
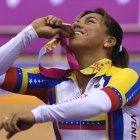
(10, 50)
(45, 27)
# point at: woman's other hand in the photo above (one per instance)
(17, 123)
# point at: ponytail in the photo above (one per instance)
(120, 59)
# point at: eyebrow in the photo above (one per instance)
(89, 17)
(92, 17)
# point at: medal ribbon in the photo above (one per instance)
(99, 68)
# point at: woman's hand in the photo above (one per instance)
(49, 26)
(17, 122)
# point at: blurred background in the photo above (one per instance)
(17, 14)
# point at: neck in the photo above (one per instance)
(86, 59)
(82, 80)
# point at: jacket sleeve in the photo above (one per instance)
(27, 82)
(122, 88)
(10, 50)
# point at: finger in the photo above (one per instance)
(9, 135)
(12, 126)
(1, 126)
(9, 126)
(53, 21)
(6, 126)
(14, 123)
(57, 22)
(48, 19)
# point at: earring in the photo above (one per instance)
(105, 45)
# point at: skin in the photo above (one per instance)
(91, 45)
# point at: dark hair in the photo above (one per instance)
(119, 58)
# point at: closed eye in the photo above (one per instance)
(90, 20)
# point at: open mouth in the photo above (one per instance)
(78, 33)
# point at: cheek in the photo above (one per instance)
(96, 35)
(95, 39)
(93, 32)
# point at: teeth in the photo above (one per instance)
(79, 33)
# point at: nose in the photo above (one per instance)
(76, 25)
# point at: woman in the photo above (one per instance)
(99, 99)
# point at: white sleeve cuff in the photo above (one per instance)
(40, 114)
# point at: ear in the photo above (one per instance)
(110, 41)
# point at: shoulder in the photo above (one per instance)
(123, 72)
(123, 76)
(128, 72)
